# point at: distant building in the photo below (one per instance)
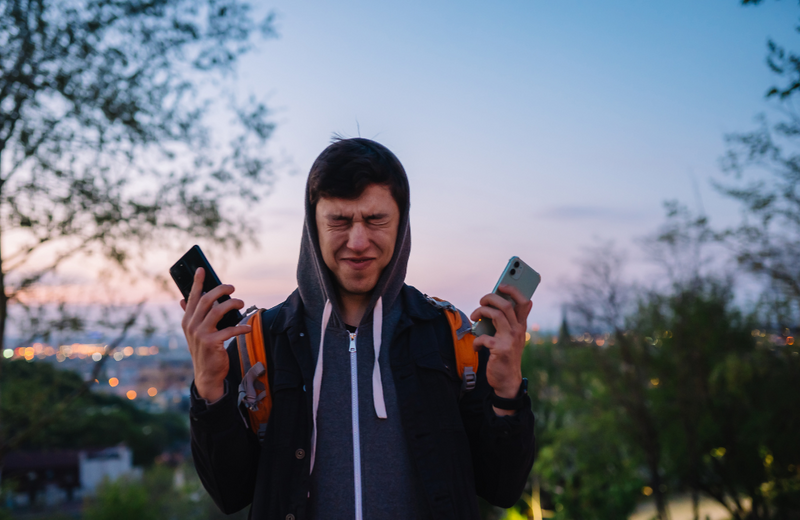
(57, 476)
(111, 463)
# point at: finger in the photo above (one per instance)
(208, 300)
(196, 292)
(229, 332)
(498, 302)
(521, 309)
(220, 310)
(498, 317)
(514, 292)
(183, 304)
(484, 340)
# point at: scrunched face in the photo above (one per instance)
(357, 237)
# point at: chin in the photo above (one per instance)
(361, 287)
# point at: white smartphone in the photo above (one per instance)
(518, 274)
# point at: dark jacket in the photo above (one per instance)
(459, 447)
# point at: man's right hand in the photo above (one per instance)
(206, 343)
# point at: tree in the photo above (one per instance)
(764, 177)
(107, 143)
(92, 420)
(686, 394)
(604, 301)
(585, 467)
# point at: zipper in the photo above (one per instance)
(356, 432)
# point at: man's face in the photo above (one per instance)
(357, 237)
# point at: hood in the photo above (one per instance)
(315, 281)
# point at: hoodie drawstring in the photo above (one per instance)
(377, 383)
(326, 315)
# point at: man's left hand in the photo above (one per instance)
(503, 371)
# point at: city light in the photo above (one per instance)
(93, 351)
(131, 394)
(113, 382)
(152, 391)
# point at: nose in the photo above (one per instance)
(358, 240)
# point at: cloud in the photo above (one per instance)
(589, 213)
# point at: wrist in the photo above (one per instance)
(510, 388)
(509, 406)
(211, 391)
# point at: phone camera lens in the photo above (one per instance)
(516, 264)
(513, 272)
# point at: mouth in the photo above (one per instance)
(358, 263)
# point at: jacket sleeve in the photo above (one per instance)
(225, 450)
(503, 447)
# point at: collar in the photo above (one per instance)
(416, 305)
(290, 314)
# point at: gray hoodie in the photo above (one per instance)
(360, 462)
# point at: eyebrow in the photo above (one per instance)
(374, 216)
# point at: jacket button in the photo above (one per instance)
(290, 516)
(300, 453)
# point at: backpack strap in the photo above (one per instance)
(254, 390)
(461, 330)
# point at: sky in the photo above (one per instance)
(527, 128)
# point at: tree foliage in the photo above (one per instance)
(93, 420)
(763, 167)
(118, 134)
(107, 144)
(688, 396)
(163, 492)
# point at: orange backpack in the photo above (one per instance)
(254, 389)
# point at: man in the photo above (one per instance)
(367, 420)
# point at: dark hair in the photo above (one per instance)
(348, 166)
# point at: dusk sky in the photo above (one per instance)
(527, 128)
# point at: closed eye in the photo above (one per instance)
(377, 220)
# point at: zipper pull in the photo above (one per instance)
(352, 342)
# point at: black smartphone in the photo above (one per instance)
(183, 274)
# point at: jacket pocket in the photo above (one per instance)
(433, 361)
(286, 379)
(438, 388)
